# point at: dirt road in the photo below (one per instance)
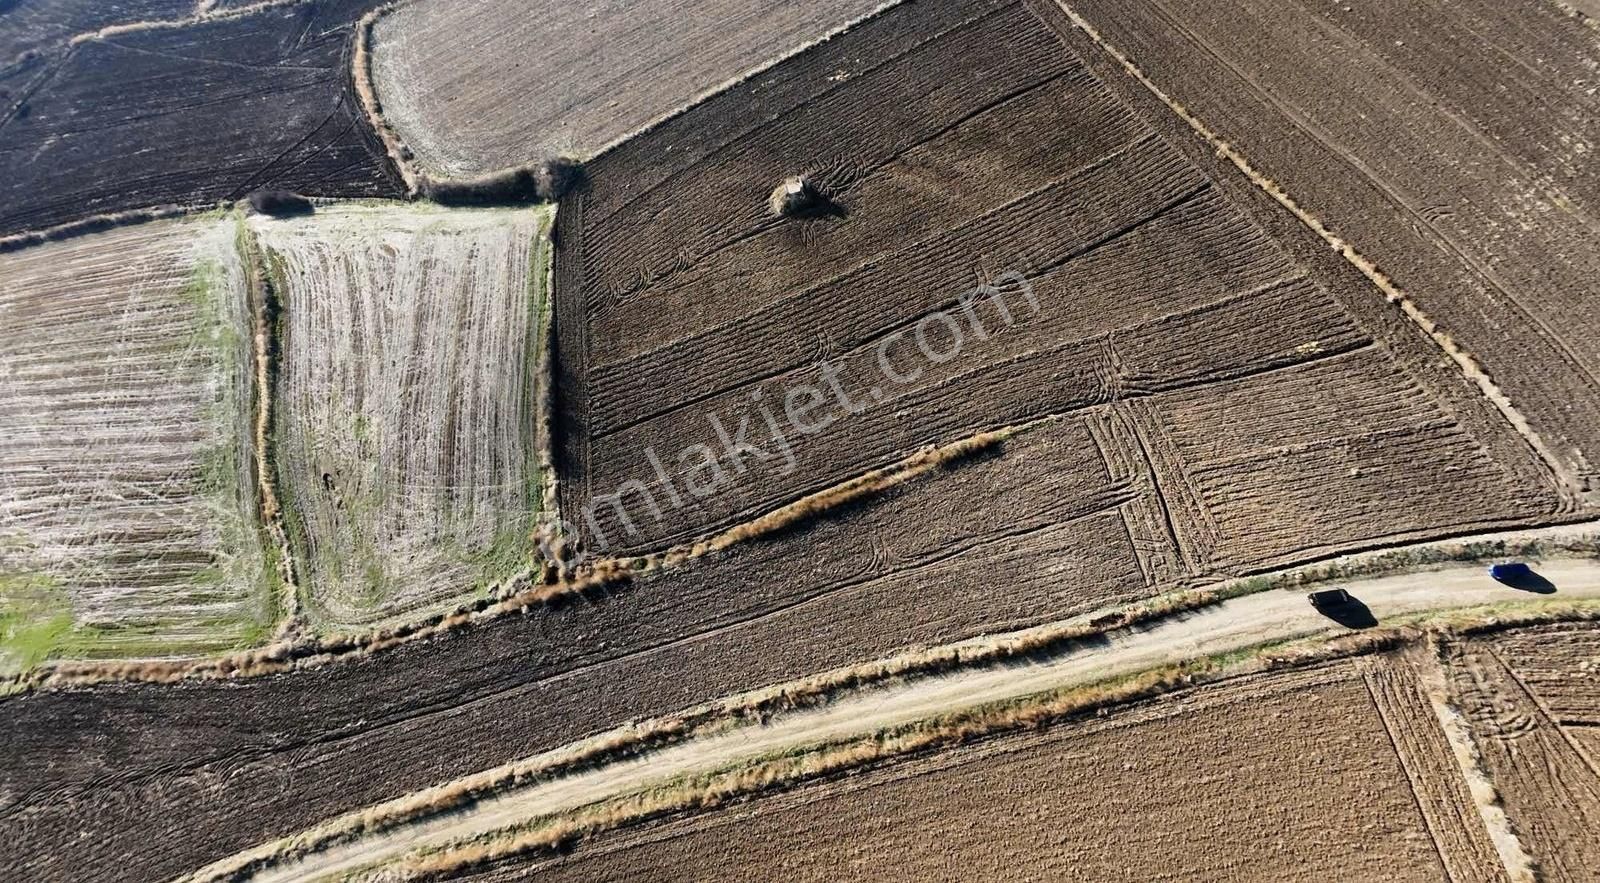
(1239, 623)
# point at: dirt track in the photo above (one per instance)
(1232, 625)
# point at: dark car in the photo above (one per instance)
(1510, 572)
(1329, 598)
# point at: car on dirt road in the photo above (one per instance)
(1510, 571)
(1328, 599)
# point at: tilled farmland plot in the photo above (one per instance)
(1282, 777)
(1038, 530)
(406, 394)
(1531, 702)
(480, 85)
(1450, 143)
(188, 115)
(1259, 387)
(127, 505)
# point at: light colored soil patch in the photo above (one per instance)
(1276, 779)
(406, 402)
(474, 86)
(127, 511)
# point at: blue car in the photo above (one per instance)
(1511, 571)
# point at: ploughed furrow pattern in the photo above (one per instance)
(1319, 457)
(1435, 777)
(406, 396)
(482, 85)
(909, 150)
(717, 361)
(1276, 778)
(189, 115)
(1449, 141)
(177, 776)
(1561, 666)
(127, 506)
(1550, 790)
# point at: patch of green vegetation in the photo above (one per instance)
(35, 618)
(508, 554)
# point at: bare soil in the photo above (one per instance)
(1450, 143)
(189, 116)
(1033, 534)
(1548, 781)
(1289, 776)
(685, 307)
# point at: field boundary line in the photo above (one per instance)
(361, 76)
(265, 306)
(1519, 865)
(204, 12)
(1566, 482)
(785, 767)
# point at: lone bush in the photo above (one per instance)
(279, 203)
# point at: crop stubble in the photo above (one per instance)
(474, 87)
(1156, 287)
(406, 391)
(126, 493)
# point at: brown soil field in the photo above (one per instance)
(1141, 280)
(1289, 776)
(478, 86)
(406, 390)
(190, 115)
(127, 504)
(1040, 530)
(1199, 386)
(1517, 693)
(1451, 143)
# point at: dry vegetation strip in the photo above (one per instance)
(988, 701)
(406, 388)
(127, 502)
(1154, 791)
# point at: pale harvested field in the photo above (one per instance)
(1285, 410)
(1284, 777)
(1452, 142)
(127, 504)
(481, 85)
(406, 396)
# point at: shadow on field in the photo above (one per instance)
(1528, 581)
(1352, 614)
